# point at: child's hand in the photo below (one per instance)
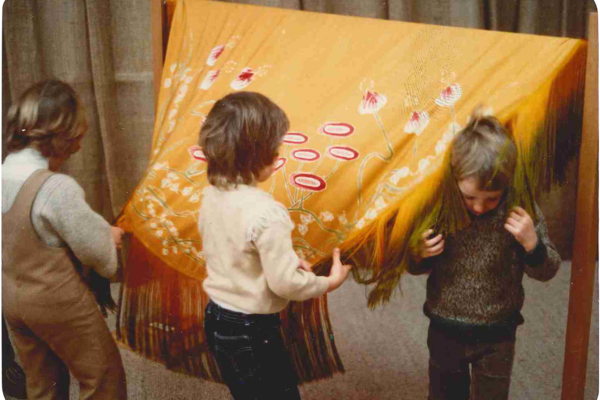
(520, 225)
(431, 247)
(305, 265)
(117, 234)
(338, 273)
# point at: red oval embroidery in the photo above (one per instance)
(339, 129)
(343, 153)
(306, 155)
(308, 181)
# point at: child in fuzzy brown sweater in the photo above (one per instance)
(474, 289)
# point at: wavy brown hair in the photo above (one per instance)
(49, 117)
(241, 136)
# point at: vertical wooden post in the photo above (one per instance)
(585, 245)
(158, 48)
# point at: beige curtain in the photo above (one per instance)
(103, 48)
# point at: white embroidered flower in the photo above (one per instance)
(360, 224)
(174, 249)
(187, 190)
(171, 126)
(165, 252)
(371, 213)
(399, 174)
(173, 113)
(306, 219)
(194, 198)
(159, 233)
(326, 216)
(172, 176)
(342, 218)
(302, 229)
(380, 203)
(158, 166)
(423, 164)
(173, 67)
(165, 183)
(168, 82)
(153, 225)
(440, 147)
(152, 212)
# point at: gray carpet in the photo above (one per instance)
(385, 353)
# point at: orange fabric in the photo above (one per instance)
(373, 105)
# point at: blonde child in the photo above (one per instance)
(55, 321)
(253, 271)
(474, 289)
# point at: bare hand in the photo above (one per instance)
(431, 247)
(305, 265)
(117, 234)
(338, 273)
(521, 226)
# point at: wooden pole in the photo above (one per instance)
(585, 245)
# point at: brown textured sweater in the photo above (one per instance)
(477, 280)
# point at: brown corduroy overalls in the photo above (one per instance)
(55, 322)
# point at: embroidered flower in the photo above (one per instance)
(243, 79)
(187, 190)
(417, 122)
(371, 102)
(211, 77)
(306, 219)
(302, 229)
(399, 174)
(326, 216)
(215, 54)
(449, 96)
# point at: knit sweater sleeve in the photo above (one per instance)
(271, 234)
(61, 216)
(543, 262)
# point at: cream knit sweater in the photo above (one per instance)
(247, 245)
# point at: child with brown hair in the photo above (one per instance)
(48, 228)
(474, 289)
(253, 271)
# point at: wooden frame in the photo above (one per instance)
(585, 244)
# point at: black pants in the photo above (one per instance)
(453, 353)
(8, 353)
(251, 355)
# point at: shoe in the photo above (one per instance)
(13, 381)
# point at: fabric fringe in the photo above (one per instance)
(547, 131)
(161, 313)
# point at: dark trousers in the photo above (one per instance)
(251, 354)
(470, 365)
(8, 353)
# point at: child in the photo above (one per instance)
(474, 290)
(252, 268)
(47, 227)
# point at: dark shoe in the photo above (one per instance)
(13, 381)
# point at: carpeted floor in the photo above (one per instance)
(385, 352)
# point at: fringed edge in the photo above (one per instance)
(161, 314)
(547, 120)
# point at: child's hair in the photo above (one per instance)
(241, 136)
(48, 116)
(484, 150)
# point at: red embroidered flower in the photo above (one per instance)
(209, 79)
(295, 138)
(243, 79)
(306, 181)
(337, 129)
(214, 54)
(281, 161)
(372, 102)
(449, 96)
(196, 153)
(306, 155)
(343, 153)
(417, 123)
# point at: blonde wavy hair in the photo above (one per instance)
(49, 117)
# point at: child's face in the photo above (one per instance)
(478, 201)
